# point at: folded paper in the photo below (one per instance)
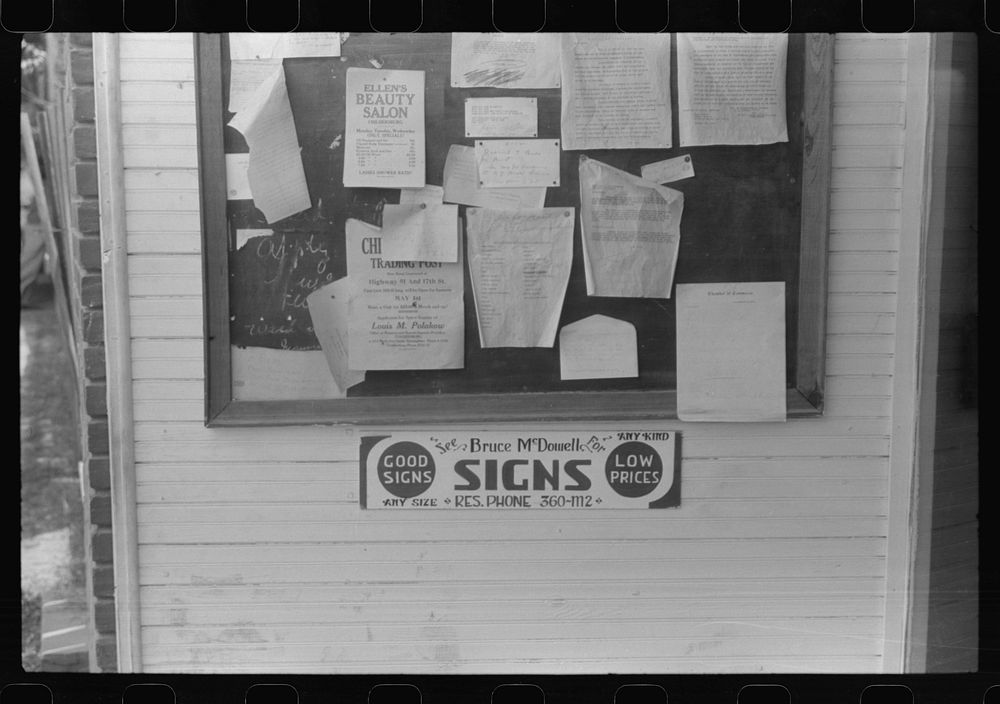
(631, 232)
(277, 179)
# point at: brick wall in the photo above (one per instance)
(72, 77)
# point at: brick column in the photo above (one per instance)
(85, 272)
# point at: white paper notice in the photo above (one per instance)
(420, 232)
(461, 185)
(403, 315)
(731, 88)
(237, 183)
(384, 129)
(328, 309)
(631, 232)
(731, 351)
(428, 194)
(261, 374)
(277, 180)
(519, 262)
(244, 46)
(598, 347)
(245, 78)
(668, 170)
(517, 163)
(501, 117)
(616, 91)
(508, 60)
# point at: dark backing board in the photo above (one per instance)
(752, 213)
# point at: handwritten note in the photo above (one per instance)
(631, 232)
(669, 170)
(245, 78)
(616, 91)
(328, 309)
(420, 232)
(504, 60)
(731, 88)
(244, 46)
(237, 183)
(281, 375)
(501, 117)
(519, 262)
(428, 194)
(598, 347)
(731, 351)
(277, 179)
(514, 163)
(461, 185)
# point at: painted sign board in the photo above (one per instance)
(512, 470)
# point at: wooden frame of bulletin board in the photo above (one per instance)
(752, 213)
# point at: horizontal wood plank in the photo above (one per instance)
(361, 526)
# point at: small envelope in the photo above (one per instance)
(598, 347)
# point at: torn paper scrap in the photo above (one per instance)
(245, 78)
(428, 194)
(731, 351)
(261, 374)
(517, 163)
(277, 180)
(420, 232)
(504, 60)
(403, 315)
(616, 91)
(631, 232)
(461, 185)
(519, 262)
(668, 170)
(384, 137)
(731, 88)
(247, 46)
(598, 347)
(237, 184)
(328, 310)
(244, 235)
(501, 117)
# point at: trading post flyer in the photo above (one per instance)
(508, 470)
(385, 129)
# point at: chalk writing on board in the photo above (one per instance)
(271, 278)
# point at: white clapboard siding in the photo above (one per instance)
(689, 664)
(864, 241)
(158, 91)
(255, 555)
(865, 135)
(483, 611)
(263, 526)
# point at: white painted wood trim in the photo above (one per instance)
(915, 655)
(901, 601)
(117, 334)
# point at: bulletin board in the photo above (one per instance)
(751, 213)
